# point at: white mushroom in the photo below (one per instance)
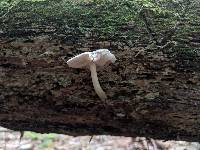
(92, 59)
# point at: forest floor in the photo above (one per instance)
(10, 140)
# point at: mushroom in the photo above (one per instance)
(93, 59)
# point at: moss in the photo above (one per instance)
(46, 139)
(63, 81)
(109, 19)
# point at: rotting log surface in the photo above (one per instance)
(149, 93)
(153, 91)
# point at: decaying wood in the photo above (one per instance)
(150, 95)
(153, 89)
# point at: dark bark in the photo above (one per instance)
(152, 93)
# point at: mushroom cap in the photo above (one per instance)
(106, 57)
(80, 61)
(100, 57)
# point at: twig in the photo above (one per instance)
(147, 25)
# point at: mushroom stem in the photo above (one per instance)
(95, 82)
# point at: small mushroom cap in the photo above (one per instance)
(100, 57)
(80, 61)
(106, 57)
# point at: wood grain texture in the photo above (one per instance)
(153, 89)
(149, 93)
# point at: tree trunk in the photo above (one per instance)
(151, 92)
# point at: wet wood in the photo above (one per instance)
(149, 93)
(153, 89)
